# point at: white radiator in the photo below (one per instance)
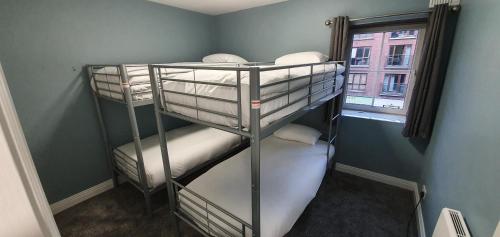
(451, 2)
(450, 224)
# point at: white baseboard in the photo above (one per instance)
(389, 180)
(81, 196)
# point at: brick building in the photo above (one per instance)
(380, 68)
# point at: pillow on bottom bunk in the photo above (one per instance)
(299, 133)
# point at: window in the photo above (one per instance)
(404, 34)
(360, 56)
(394, 85)
(357, 82)
(363, 36)
(399, 56)
(381, 73)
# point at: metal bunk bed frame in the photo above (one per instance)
(255, 134)
(127, 100)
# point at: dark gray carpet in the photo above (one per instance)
(345, 206)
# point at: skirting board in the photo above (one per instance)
(389, 180)
(81, 196)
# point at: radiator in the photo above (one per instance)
(451, 2)
(450, 224)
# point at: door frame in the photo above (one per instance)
(23, 161)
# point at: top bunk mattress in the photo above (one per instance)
(109, 82)
(186, 102)
(291, 174)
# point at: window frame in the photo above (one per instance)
(362, 56)
(360, 76)
(411, 76)
(392, 54)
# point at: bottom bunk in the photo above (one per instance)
(189, 148)
(219, 201)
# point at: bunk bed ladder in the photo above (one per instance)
(137, 138)
(163, 147)
(334, 117)
(102, 125)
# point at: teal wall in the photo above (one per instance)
(461, 166)
(265, 33)
(462, 163)
(45, 44)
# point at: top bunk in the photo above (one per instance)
(114, 82)
(224, 97)
(122, 83)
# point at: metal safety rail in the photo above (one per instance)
(207, 221)
(107, 71)
(255, 133)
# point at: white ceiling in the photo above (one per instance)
(216, 7)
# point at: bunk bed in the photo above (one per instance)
(140, 162)
(253, 101)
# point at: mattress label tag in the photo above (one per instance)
(255, 104)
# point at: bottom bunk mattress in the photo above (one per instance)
(188, 147)
(291, 174)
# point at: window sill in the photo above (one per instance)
(394, 118)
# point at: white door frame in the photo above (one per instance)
(19, 151)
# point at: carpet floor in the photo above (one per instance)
(346, 205)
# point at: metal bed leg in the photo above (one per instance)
(147, 200)
(164, 150)
(104, 131)
(255, 148)
(135, 134)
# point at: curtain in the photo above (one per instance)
(431, 72)
(338, 47)
(340, 33)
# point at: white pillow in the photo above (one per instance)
(301, 58)
(300, 133)
(223, 58)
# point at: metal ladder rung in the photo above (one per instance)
(335, 117)
(333, 139)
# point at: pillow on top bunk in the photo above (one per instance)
(224, 58)
(299, 133)
(301, 58)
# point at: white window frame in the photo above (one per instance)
(410, 78)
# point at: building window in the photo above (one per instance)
(360, 56)
(394, 85)
(399, 56)
(385, 85)
(404, 34)
(363, 36)
(357, 82)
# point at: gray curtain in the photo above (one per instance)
(340, 33)
(338, 46)
(431, 72)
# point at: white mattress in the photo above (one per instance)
(138, 80)
(291, 173)
(138, 77)
(229, 77)
(188, 147)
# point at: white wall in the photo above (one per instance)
(16, 214)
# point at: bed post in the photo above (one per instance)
(255, 147)
(104, 131)
(334, 117)
(164, 149)
(137, 138)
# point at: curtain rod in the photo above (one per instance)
(330, 21)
